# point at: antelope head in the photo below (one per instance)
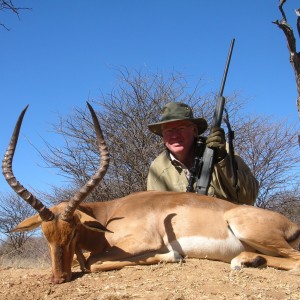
(60, 224)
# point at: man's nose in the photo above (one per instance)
(174, 132)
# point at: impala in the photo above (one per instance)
(150, 227)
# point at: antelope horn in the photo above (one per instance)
(44, 212)
(96, 178)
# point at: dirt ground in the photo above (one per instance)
(194, 279)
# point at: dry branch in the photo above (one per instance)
(291, 43)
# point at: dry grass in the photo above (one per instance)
(33, 254)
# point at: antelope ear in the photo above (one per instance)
(28, 224)
(90, 222)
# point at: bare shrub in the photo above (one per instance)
(124, 114)
(270, 148)
(33, 253)
(13, 211)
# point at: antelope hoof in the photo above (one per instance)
(173, 256)
(243, 261)
(236, 265)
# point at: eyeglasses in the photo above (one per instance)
(177, 130)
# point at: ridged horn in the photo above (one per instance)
(43, 211)
(96, 178)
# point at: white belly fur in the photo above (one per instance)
(204, 247)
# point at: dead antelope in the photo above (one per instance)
(150, 227)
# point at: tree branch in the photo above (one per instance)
(291, 43)
(9, 6)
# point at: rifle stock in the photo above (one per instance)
(205, 172)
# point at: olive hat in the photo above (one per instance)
(177, 111)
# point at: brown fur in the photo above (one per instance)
(148, 227)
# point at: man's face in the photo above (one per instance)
(179, 136)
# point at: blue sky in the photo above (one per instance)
(60, 53)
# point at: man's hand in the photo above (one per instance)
(216, 141)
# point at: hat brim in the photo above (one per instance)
(156, 128)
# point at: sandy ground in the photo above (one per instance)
(194, 279)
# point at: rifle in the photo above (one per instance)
(204, 160)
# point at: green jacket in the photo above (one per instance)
(167, 175)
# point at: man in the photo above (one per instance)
(170, 171)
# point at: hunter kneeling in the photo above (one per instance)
(171, 170)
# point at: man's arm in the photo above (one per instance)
(223, 182)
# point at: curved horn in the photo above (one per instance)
(43, 211)
(96, 178)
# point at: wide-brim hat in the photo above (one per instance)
(177, 111)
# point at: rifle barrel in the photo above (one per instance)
(226, 68)
(205, 173)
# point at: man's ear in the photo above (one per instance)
(196, 132)
(90, 222)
